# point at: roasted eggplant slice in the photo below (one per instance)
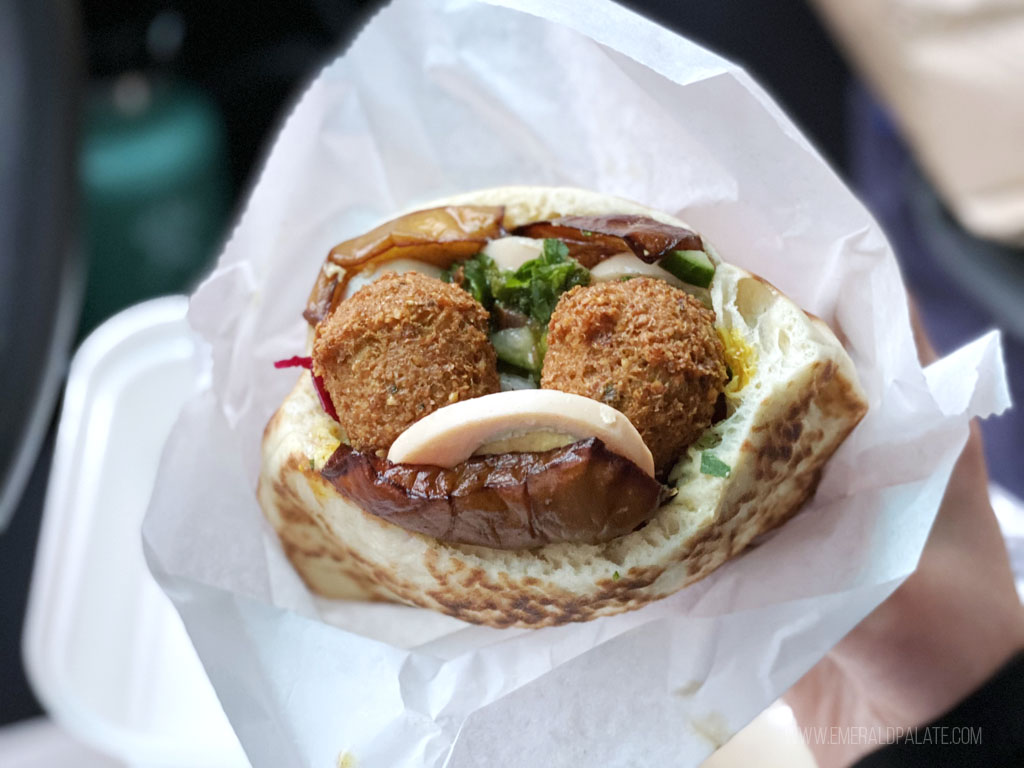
(322, 298)
(592, 239)
(437, 236)
(577, 493)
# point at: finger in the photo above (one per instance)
(926, 353)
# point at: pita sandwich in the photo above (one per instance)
(792, 398)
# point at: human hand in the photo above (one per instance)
(940, 635)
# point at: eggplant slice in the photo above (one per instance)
(580, 493)
(436, 236)
(592, 239)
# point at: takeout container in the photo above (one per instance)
(105, 652)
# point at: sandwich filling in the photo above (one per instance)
(442, 308)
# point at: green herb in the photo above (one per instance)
(615, 576)
(709, 439)
(311, 464)
(532, 290)
(478, 276)
(555, 251)
(712, 465)
(535, 287)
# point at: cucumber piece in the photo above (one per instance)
(510, 381)
(517, 347)
(693, 267)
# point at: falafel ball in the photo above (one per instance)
(643, 347)
(400, 348)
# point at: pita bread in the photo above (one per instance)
(801, 401)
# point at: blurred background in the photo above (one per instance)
(130, 132)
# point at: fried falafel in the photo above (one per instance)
(399, 349)
(646, 348)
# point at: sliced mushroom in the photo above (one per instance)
(577, 493)
(324, 296)
(452, 434)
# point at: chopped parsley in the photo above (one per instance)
(712, 465)
(532, 291)
(615, 576)
(710, 439)
(477, 275)
(535, 287)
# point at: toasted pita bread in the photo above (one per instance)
(801, 401)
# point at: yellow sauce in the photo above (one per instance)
(741, 359)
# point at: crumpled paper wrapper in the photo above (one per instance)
(445, 96)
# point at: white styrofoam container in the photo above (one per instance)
(105, 651)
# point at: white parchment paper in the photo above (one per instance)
(442, 96)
